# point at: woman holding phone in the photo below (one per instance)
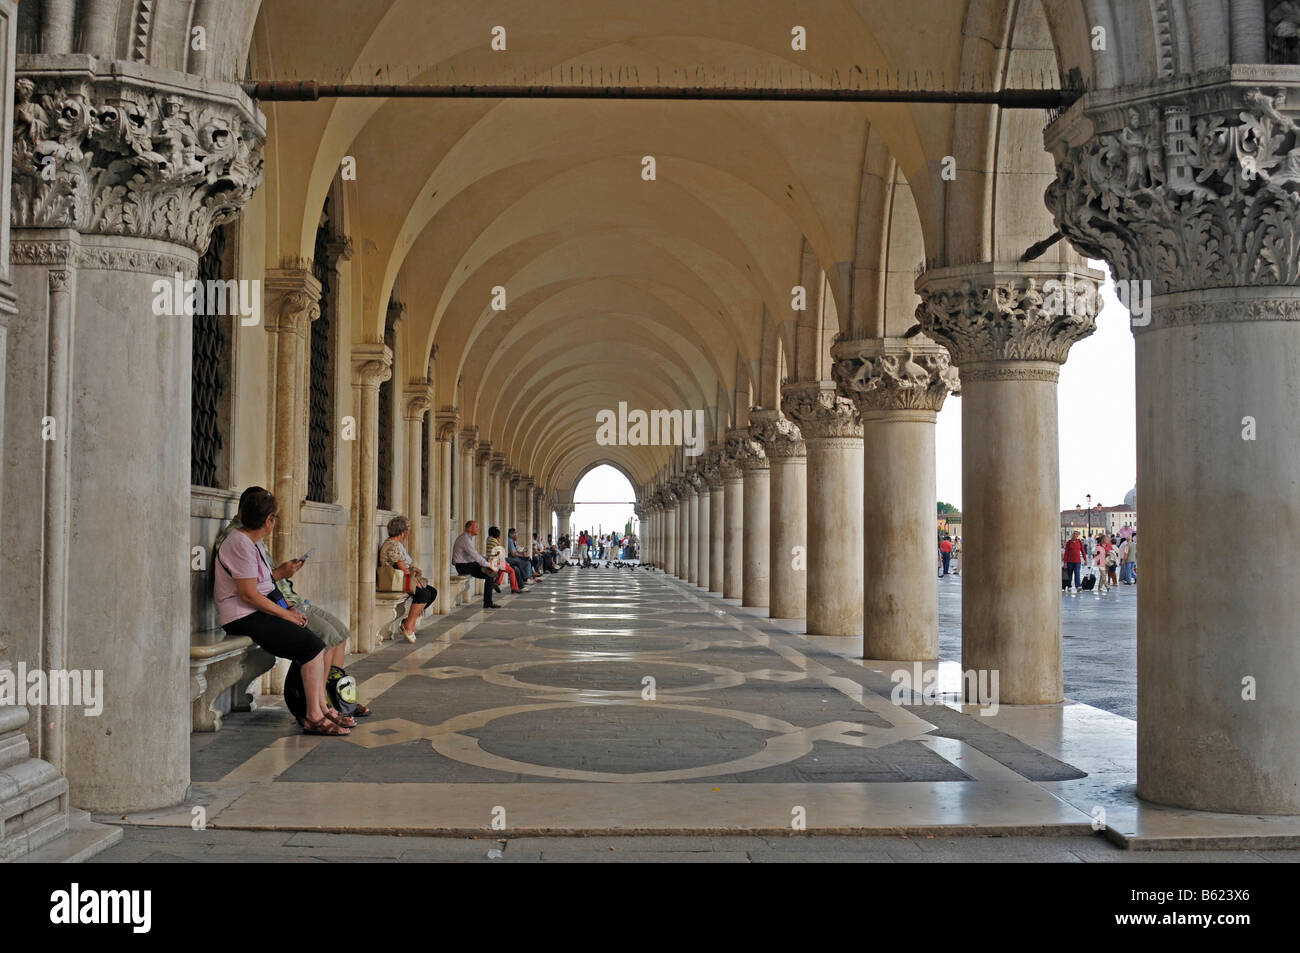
(250, 604)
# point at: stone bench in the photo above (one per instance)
(222, 671)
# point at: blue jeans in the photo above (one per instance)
(1076, 572)
(947, 558)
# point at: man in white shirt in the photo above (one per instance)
(469, 562)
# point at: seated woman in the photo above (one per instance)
(393, 555)
(496, 556)
(332, 630)
(244, 582)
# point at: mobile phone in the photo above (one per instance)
(307, 555)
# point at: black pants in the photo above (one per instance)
(280, 637)
(424, 595)
(482, 572)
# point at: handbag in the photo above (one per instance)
(275, 595)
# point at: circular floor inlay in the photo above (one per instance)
(619, 739)
(603, 624)
(608, 643)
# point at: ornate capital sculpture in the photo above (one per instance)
(986, 312)
(894, 374)
(497, 464)
(483, 455)
(744, 451)
(669, 496)
(712, 467)
(372, 364)
(819, 411)
(113, 156)
(446, 422)
(293, 299)
(417, 405)
(1193, 190)
(563, 510)
(777, 433)
(698, 484)
(468, 438)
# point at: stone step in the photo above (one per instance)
(81, 840)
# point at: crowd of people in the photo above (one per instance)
(257, 599)
(609, 546)
(1098, 564)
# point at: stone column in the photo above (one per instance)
(898, 387)
(755, 548)
(717, 518)
(788, 465)
(733, 524)
(417, 403)
(510, 496)
(683, 491)
(694, 485)
(496, 468)
(670, 498)
(1009, 346)
(700, 515)
(292, 302)
(445, 524)
(524, 514)
(466, 477)
(483, 496)
(564, 511)
(372, 364)
(33, 795)
(97, 226)
(833, 434)
(1212, 238)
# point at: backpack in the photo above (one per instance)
(295, 696)
(341, 689)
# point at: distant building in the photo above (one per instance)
(1104, 519)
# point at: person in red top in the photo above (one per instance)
(1074, 559)
(945, 552)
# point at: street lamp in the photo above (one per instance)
(1088, 497)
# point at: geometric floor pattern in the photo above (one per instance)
(625, 702)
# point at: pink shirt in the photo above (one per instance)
(241, 559)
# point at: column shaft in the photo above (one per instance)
(788, 583)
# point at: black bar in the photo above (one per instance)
(311, 91)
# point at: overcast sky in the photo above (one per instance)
(1097, 416)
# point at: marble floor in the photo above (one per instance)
(624, 702)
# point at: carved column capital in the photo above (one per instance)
(483, 455)
(778, 434)
(372, 364)
(563, 510)
(1018, 312)
(468, 438)
(417, 399)
(697, 482)
(893, 374)
(745, 452)
(292, 299)
(669, 496)
(712, 467)
(1191, 189)
(497, 464)
(113, 155)
(819, 411)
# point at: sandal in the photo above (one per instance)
(323, 727)
(363, 711)
(343, 721)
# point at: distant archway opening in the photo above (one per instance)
(604, 502)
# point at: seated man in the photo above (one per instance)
(468, 562)
(515, 557)
(331, 629)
